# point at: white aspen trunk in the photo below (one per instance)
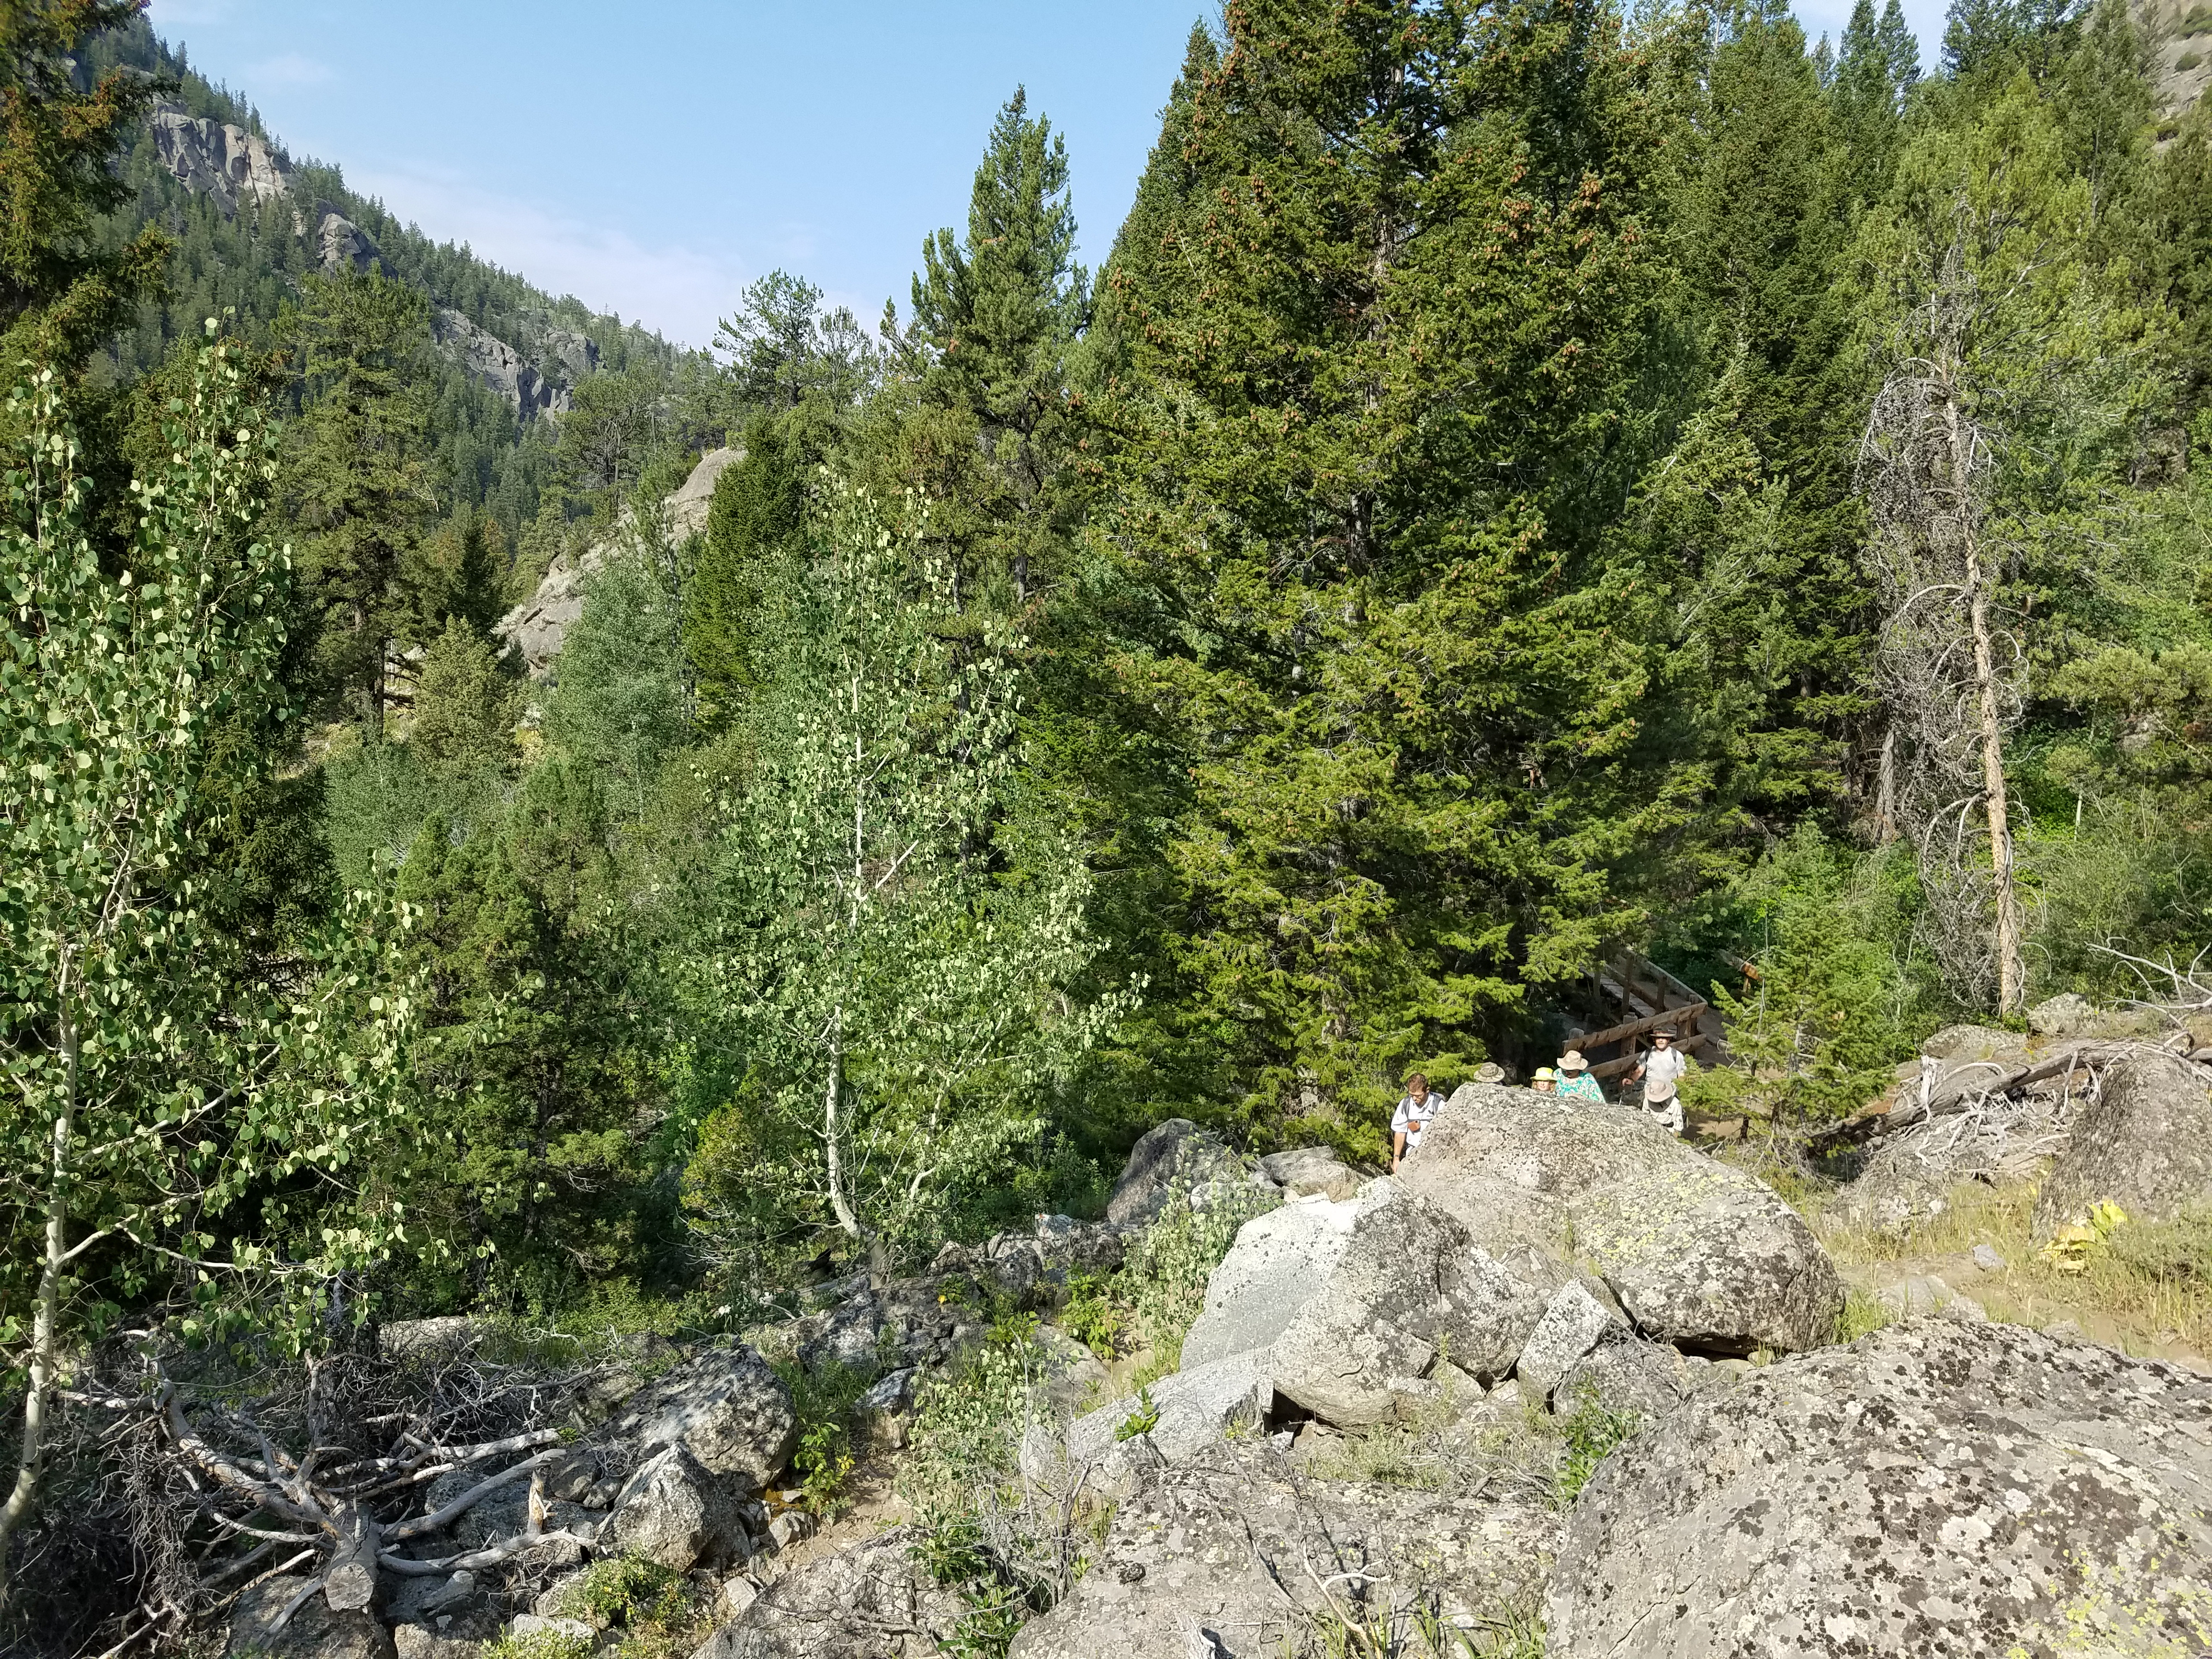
(45, 1325)
(833, 1129)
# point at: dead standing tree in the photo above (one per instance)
(1948, 666)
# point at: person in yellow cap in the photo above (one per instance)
(1545, 1081)
(1575, 1081)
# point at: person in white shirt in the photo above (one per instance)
(1661, 1071)
(1412, 1117)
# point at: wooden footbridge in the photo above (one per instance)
(1646, 996)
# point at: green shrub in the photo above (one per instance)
(1092, 1315)
(1163, 1279)
(975, 1529)
(2189, 60)
(1860, 1314)
(625, 1590)
(538, 1644)
(1590, 1432)
(1143, 1418)
(823, 1398)
(2176, 1252)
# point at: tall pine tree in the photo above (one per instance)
(1388, 377)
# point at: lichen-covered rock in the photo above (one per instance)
(1623, 1373)
(726, 1408)
(1230, 1549)
(1936, 1488)
(1193, 1408)
(675, 1512)
(312, 1632)
(873, 1601)
(1573, 1322)
(1341, 1303)
(2145, 1143)
(1702, 1255)
(1165, 1165)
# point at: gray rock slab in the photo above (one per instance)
(1701, 1255)
(1314, 1170)
(675, 1512)
(1337, 1301)
(2145, 1144)
(1224, 1554)
(872, 1600)
(1624, 1373)
(725, 1408)
(1195, 1406)
(1936, 1488)
(1573, 1323)
(1165, 1164)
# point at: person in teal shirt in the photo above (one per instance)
(1575, 1081)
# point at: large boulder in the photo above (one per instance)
(1574, 1323)
(1165, 1165)
(1701, 1255)
(2145, 1143)
(1192, 1410)
(727, 1409)
(1341, 1303)
(1936, 1488)
(1307, 1171)
(675, 1512)
(873, 1601)
(314, 1632)
(1624, 1373)
(1228, 1558)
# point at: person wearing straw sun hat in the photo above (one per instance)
(1576, 1082)
(1661, 1071)
(1545, 1081)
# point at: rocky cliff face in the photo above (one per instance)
(219, 159)
(538, 626)
(2178, 36)
(235, 168)
(345, 245)
(492, 362)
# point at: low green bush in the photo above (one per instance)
(1590, 1432)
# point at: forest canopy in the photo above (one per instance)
(1531, 481)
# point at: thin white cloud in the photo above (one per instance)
(289, 69)
(677, 289)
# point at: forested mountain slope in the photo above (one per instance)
(249, 221)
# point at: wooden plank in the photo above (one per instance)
(1627, 1062)
(1678, 1017)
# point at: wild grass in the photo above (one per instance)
(2147, 1283)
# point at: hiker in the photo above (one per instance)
(1412, 1116)
(1576, 1082)
(1661, 1071)
(1545, 1081)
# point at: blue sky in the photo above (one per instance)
(653, 157)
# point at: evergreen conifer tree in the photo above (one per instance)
(984, 428)
(1384, 391)
(356, 486)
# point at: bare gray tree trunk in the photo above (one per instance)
(1948, 668)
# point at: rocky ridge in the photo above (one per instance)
(536, 627)
(1943, 1486)
(238, 169)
